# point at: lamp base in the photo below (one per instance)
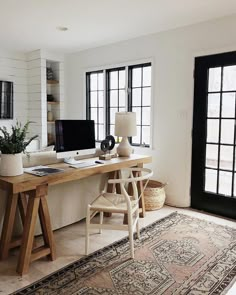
(124, 149)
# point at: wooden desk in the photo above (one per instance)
(36, 188)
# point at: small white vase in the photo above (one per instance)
(11, 164)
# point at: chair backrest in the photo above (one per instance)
(134, 175)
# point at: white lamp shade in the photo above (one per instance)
(125, 124)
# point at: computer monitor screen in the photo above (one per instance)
(74, 138)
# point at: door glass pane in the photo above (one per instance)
(136, 75)
(227, 131)
(114, 98)
(229, 78)
(213, 105)
(136, 97)
(211, 155)
(146, 96)
(147, 76)
(225, 183)
(114, 80)
(212, 130)
(210, 180)
(234, 185)
(228, 105)
(214, 78)
(226, 157)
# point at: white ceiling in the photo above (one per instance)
(27, 25)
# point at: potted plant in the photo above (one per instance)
(12, 145)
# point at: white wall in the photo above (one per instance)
(173, 55)
(13, 67)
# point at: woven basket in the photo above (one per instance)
(154, 195)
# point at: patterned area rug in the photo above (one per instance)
(175, 255)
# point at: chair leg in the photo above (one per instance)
(87, 231)
(137, 228)
(131, 234)
(101, 221)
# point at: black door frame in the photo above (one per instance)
(210, 202)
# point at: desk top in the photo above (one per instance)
(26, 182)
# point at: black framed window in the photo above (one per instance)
(140, 101)
(116, 96)
(125, 88)
(95, 102)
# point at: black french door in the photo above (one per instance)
(213, 185)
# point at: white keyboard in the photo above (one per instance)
(83, 165)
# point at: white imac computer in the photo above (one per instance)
(74, 138)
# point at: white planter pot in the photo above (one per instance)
(11, 164)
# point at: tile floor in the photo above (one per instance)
(70, 247)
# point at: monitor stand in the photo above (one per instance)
(71, 161)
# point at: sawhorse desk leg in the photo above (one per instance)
(37, 204)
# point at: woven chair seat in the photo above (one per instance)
(108, 202)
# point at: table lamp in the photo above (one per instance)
(125, 126)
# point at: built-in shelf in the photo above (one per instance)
(52, 81)
(53, 102)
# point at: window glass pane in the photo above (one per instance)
(147, 76)
(212, 130)
(229, 78)
(93, 99)
(136, 139)
(138, 115)
(112, 130)
(101, 132)
(226, 157)
(211, 155)
(136, 77)
(214, 83)
(136, 97)
(228, 105)
(101, 115)
(213, 105)
(147, 96)
(94, 114)
(114, 80)
(122, 109)
(122, 98)
(93, 82)
(114, 98)
(225, 183)
(146, 135)
(210, 180)
(227, 131)
(112, 115)
(146, 116)
(100, 81)
(100, 99)
(122, 79)
(96, 131)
